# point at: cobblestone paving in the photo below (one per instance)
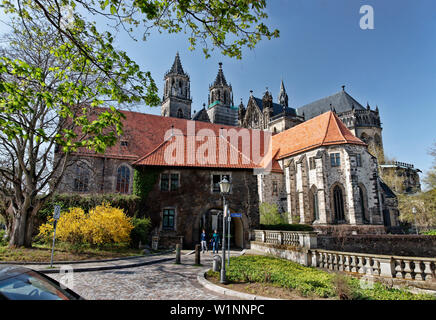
(161, 281)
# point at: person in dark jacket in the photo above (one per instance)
(203, 241)
(215, 241)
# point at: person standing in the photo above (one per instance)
(215, 241)
(203, 241)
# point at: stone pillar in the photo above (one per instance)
(197, 254)
(177, 253)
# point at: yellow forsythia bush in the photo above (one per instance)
(102, 225)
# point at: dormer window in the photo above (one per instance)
(124, 143)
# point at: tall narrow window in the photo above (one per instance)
(275, 188)
(123, 179)
(338, 201)
(358, 160)
(312, 164)
(362, 205)
(168, 219)
(81, 180)
(164, 182)
(174, 181)
(335, 159)
(315, 206)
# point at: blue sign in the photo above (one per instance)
(236, 215)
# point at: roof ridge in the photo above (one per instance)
(338, 127)
(328, 126)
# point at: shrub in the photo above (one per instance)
(3, 241)
(429, 232)
(139, 233)
(286, 227)
(309, 281)
(102, 225)
(269, 214)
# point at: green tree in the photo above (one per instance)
(59, 68)
(270, 215)
(430, 178)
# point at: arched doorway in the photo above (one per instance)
(212, 220)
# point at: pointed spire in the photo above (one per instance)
(220, 80)
(177, 65)
(283, 96)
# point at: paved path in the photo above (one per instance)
(161, 281)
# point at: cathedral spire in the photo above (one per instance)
(220, 80)
(283, 96)
(177, 66)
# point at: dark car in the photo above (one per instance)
(19, 283)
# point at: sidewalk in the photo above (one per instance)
(112, 264)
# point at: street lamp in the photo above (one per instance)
(225, 189)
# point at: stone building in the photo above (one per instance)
(264, 114)
(321, 171)
(184, 196)
(329, 179)
(404, 175)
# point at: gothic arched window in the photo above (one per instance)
(123, 179)
(81, 180)
(362, 204)
(338, 201)
(180, 114)
(314, 199)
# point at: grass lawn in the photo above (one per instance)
(274, 277)
(65, 252)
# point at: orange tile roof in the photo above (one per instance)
(148, 138)
(323, 130)
(197, 151)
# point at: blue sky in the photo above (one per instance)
(322, 47)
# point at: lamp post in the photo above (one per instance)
(224, 188)
(414, 215)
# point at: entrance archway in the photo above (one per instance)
(212, 220)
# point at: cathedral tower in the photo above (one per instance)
(221, 109)
(176, 100)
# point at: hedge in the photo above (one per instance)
(129, 203)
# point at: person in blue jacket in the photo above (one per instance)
(215, 241)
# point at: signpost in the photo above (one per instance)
(56, 216)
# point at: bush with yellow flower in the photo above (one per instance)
(102, 225)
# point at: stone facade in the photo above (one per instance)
(196, 205)
(313, 184)
(87, 174)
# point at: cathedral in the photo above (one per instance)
(322, 172)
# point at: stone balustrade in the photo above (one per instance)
(302, 249)
(407, 268)
(302, 239)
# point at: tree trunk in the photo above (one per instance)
(18, 232)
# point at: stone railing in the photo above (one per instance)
(302, 249)
(303, 239)
(407, 268)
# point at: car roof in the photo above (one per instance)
(9, 271)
